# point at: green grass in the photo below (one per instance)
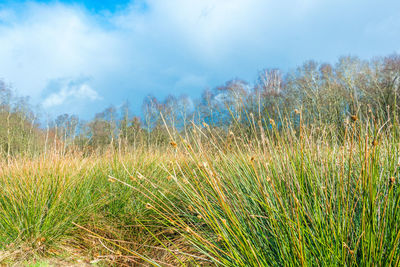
(303, 196)
(291, 200)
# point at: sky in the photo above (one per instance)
(80, 57)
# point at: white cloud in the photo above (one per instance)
(48, 42)
(177, 44)
(71, 93)
(210, 30)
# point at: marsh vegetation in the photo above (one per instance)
(296, 169)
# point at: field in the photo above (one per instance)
(277, 195)
(199, 133)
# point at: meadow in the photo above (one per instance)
(277, 197)
(308, 183)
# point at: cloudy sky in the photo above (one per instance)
(81, 56)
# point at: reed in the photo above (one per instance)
(283, 194)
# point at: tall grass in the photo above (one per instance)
(290, 198)
(44, 199)
(287, 194)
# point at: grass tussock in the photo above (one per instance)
(280, 196)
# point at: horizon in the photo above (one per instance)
(80, 57)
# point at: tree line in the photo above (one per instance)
(324, 94)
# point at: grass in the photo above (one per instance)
(290, 196)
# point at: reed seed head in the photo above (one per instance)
(272, 122)
(374, 142)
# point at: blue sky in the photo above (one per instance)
(81, 56)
